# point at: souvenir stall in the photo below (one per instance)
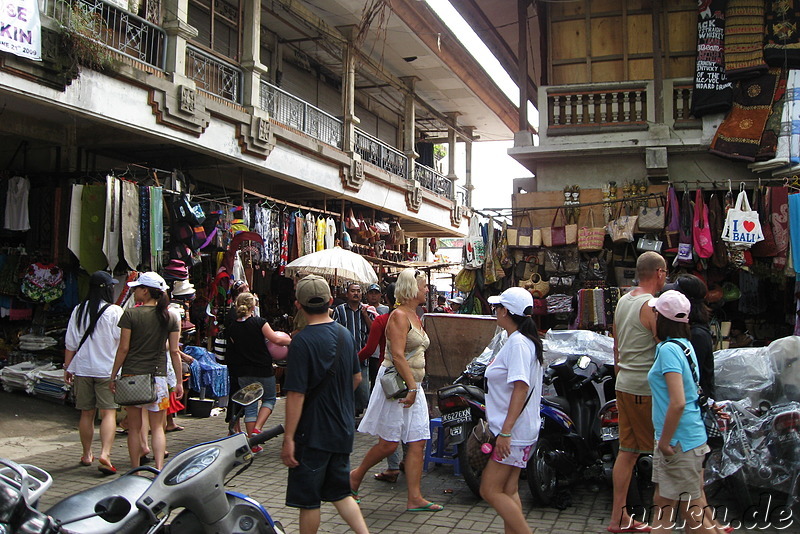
(58, 229)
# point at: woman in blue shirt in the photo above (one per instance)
(679, 432)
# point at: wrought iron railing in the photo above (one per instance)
(214, 75)
(117, 29)
(622, 105)
(433, 181)
(300, 115)
(380, 154)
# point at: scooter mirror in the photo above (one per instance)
(248, 394)
(113, 509)
(584, 361)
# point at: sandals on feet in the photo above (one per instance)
(430, 507)
(391, 478)
(87, 461)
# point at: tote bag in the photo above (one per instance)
(742, 226)
(524, 235)
(557, 236)
(651, 218)
(590, 238)
(475, 247)
(701, 231)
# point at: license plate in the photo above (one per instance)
(608, 433)
(461, 416)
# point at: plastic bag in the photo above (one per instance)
(558, 343)
(744, 373)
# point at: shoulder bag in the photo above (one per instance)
(133, 390)
(590, 238)
(651, 219)
(621, 229)
(556, 236)
(393, 385)
(701, 231)
(673, 226)
(477, 451)
(524, 235)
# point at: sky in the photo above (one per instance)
(490, 161)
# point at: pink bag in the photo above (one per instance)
(701, 232)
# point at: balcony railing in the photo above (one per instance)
(682, 105)
(573, 107)
(117, 29)
(461, 195)
(380, 154)
(214, 75)
(433, 181)
(300, 115)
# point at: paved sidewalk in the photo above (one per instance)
(383, 504)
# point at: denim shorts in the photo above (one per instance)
(267, 401)
(321, 476)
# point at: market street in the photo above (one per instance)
(49, 430)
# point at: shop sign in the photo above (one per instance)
(20, 28)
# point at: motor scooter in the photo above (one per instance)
(193, 482)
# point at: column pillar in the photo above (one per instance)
(451, 146)
(349, 91)
(523, 136)
(178, 30)
(251, 54)
(409, 125)
(468, 173)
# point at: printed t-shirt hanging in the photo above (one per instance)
(17, 216)
(713, 92)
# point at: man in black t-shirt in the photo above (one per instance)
(323, 370)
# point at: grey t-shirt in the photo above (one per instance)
(148, 340)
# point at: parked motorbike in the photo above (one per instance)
(193, 482)
(573, 443)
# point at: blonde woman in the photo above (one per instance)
(145, 330)
(249, 359)
(406, 419)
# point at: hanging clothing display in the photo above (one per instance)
(156, 226)
(131, 238)
(75, 211)
(744, 39)
(320, 235)
(93, 212)
(17, 217)
(144, 224)
(781, 36)
(309, 233)
(112, 226)
(713, 92)
(285, 237)
(330, 233)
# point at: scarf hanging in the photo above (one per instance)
(744, 39)
(92, 224)
(769, 137)
(112, 226)
(779, 205)
(781, 36)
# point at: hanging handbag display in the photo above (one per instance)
(537, 287)
(475, 248)
(719, 258)
(701, 231)
(742, 225)
(559, 303)
(557, 236)
(562, 260)
(562, 283)
(767, 248)
(524, 235)
(649, 243)
(651, 219)
(621, 229)
(133, 390)
(539, 307)
(590, 238)
(673, 225)
(625, 268)
(593, 267)
(685, 256)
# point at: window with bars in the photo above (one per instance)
(218, 24)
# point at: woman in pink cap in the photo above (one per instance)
(679, 431)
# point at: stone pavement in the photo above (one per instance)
(383, 505)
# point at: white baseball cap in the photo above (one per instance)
(150, 279)
(673, 305)
(515, 299)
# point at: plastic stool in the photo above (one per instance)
(440, 456)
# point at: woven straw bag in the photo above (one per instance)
(590, 238)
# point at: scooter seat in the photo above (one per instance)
(131, 487)
(466, 390)
(557, 402)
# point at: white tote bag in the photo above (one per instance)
(475, 253)
(742, 227)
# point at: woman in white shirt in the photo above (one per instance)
(514, 380)
(91, 344)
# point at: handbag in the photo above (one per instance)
(133, 390)
(701, 231)
(477, 453)
(766, 248)
(524, 235)
(590, 238)
(621, 229)
(649, 243)
(393, 385)
(475, 246)
(673, 227)
(539, 307)
(742, 226)
(559, 303)
(556, 236)
(562, 283)
(593, 267)
(651, 219)
(711, 421)
(625, 269)
(719, 258)
(562, 260)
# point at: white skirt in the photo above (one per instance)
(388, 419)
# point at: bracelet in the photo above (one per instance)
(413, 390)
(501, 435)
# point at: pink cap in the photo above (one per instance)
(673, 305)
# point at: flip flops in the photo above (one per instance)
(87, 462)
(391, 478)
(176, 428)
(430, 507)
(354, 493)
(106, 468)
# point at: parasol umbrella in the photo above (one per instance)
(334, 264)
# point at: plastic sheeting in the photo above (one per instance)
(558, 343)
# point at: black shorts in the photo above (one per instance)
(321, 476)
